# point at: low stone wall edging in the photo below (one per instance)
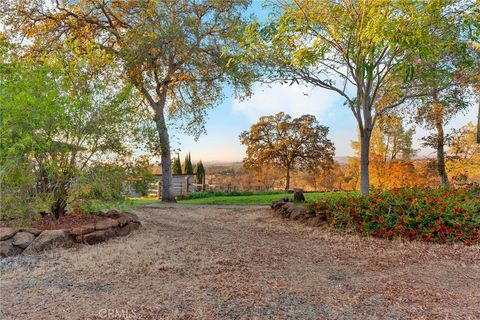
(14, 241)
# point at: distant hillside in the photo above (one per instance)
(235, 164)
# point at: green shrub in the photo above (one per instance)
(102, 182)
(442, 216)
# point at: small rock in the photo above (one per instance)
(7, 233)
(123, 230)
(23, 239)
(276, 204)
(98, 236)
(298, 195)
(112, 212)
(7, 249)
(133, 217)
(315, 221)
(123, 220)
(33, 231)
(79, 238)
(106, 223)
(286, 209)
(83, 229)
(49, 239)
(134, 225)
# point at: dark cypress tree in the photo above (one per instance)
(200, 172)
(177, 165)
(188, 169)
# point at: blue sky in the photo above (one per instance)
(231, 117)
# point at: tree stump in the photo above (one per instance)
(298, 195)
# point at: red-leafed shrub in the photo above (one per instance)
(442, 216)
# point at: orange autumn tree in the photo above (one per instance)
(391, 155)
(463, 161)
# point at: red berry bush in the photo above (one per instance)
(440, 215)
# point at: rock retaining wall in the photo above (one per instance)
(15, 241)
(290, 210)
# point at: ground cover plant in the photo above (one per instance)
(436, 215)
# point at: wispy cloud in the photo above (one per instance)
(295, 100)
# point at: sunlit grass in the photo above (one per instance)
(262, 199)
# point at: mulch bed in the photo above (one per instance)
(68, 221)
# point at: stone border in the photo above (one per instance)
(288, 210)
(14, 241)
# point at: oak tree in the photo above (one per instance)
(177, 54)
(288, 143)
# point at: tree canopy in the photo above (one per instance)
(362, 50)
(177, 54)
(56, 120)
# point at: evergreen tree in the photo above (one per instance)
(177, 165)
(200, 172)
(188, 168)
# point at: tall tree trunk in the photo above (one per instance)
(60, 195)
(159, 108)
(365, 136)
(442, 172)
(287, 179)
(167, 190)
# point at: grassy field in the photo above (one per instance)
(259, 199)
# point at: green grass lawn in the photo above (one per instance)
(259, 199)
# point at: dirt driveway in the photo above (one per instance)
(241, 262)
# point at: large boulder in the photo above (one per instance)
(50, 239)
(7, 233)
(7, 249)
(23, 239)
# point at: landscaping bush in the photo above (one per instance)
(440, 215)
